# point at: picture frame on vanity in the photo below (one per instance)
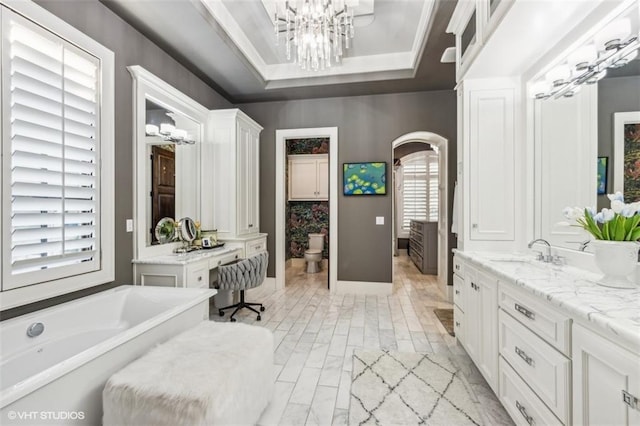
(367, 178)
(626, 160)
(602, 170)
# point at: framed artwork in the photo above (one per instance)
(602, 175)
(364, 178)
(626, 161)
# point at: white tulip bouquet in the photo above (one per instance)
(621, 222)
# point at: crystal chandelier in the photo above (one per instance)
(317, 29)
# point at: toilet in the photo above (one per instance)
(313, 255)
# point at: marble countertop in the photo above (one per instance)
(615, 311)
(186, 258)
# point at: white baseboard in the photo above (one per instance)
(363, 287)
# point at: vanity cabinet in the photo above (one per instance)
(230, 174)
(191, 270)
(308, 177)
(606, 381)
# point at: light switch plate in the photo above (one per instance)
(379, 220)
(129, 225)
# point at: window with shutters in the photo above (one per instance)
(53, 148)
(418, 188)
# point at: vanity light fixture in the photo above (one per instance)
(588, 64)
(317, 29)
(169, 133)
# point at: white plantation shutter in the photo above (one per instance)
(419, 188)
(51, 157)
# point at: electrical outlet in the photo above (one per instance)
(129, 225)
(379, 220)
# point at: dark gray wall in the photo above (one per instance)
(620, 94)
(367, 125)
(130, 48)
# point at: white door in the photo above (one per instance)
(472, 314)
(487, 294)
(602, 373)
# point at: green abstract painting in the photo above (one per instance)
(365, 178)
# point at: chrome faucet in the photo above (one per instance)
(544, 258)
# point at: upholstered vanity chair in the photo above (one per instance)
(243, 275)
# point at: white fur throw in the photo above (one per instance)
(213, 374)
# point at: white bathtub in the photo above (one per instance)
(58, 376)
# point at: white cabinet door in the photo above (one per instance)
(323, 179)
(243, 177)
(253, 191)
(481, 322)
(491, 139)
(303, 178)
(602, 373)
(487, 294)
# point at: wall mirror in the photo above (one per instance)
(168, 130)
(575, 131)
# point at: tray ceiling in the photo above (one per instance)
(232, 43)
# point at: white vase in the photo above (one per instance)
(618, 260)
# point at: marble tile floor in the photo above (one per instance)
(316, 332)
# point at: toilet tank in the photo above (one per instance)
(316, 241)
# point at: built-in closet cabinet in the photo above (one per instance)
(308, 177)
(488, 168)
(230, 174)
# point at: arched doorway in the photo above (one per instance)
(441, 145)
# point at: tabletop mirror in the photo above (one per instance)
(587, 135)
(169, 127)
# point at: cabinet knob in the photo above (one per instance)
(251, 225)
(457, 291)
(474, 226)
(200, 278)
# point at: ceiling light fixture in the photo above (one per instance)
(317, 29)
(588, 64)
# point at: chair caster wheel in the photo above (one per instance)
(221, 313)
(261, 308)
(259, 318)
(233, 320)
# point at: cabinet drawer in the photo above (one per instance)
(458, 292)
(547, 323)
(255, 246)
(524, 407)
(458, 323)
(198, 277)
(214, 263)
(545, 370)
(458, 266)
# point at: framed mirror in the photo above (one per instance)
(169, 129)
(572, 134)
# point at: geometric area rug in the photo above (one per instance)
(402, 388)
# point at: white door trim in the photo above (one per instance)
(281, 161)
(443, 198)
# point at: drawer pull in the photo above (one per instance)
(200, 278)
(457, 267)
(523, 411)
(257, 247)
(522, 354)
(457, 323)
(251, 225)
(524, 311)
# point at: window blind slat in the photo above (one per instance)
(48, 262)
